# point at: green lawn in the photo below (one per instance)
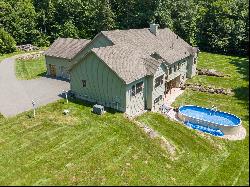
(3, 56)
(30, 69)
(200, 163)
(85, 149)
(81, 148)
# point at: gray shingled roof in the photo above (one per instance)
(66, 48)
(125, 60)
(131, 55)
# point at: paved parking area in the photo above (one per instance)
(16, 95)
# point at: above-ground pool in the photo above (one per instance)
(210, 118)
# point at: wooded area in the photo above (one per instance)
(220, 26)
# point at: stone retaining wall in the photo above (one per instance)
(209, 89)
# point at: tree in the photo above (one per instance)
(162, 14)
(68, 30)
(7, 42)
(223, 27)
(104, 18)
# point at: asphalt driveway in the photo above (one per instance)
(16, 95)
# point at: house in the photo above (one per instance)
(61, 55)
(132, 70)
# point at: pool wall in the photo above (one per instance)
(226, 129)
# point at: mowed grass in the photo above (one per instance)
(236, 67)
(86, 149)
(30, 69)
(3, 56)
(228, 164)
(78, 149)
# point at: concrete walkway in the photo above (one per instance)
(170, 97)
(16, 95)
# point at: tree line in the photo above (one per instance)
(220, 26)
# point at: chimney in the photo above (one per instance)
(154, 28)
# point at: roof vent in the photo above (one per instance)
(154, 28)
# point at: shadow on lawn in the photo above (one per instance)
(88, 104)
(242, 65)
(242, 93)
(42, 74)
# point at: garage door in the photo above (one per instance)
(52, 70)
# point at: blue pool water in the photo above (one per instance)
(213, 131)
(217, 117)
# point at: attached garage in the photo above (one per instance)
(60, 56)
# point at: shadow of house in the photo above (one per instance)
(44, 74)
(87, 103)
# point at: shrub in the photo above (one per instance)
(7, 42)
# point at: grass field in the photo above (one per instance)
(30, 69)
(85, 149)
(3, 56)
(228, 164)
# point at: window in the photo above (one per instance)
(133, 91)
(83, 83)
(139, 87)
(174, 68)
(170, 70)
(158, 99)
(195, 59)
(179, 65)
(159, 81)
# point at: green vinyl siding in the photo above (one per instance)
(136, 104)
(182, 71)
(159, 90)
(191, 66)
(58, 62)
(103, 86)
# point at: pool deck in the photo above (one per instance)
(172, 95)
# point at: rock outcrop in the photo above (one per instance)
(209, 89)
(27, 47)
(210, 72)
(29, 56)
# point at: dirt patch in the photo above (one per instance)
(163, 141)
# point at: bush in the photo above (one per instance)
(7, 42)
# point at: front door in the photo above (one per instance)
(52, 70)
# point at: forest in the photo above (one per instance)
(219, 26)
